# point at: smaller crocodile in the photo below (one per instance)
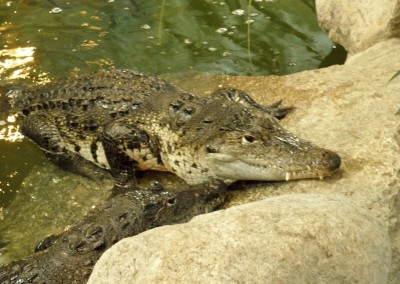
(125, 121)
(71, 257)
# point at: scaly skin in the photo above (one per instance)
(126, 121)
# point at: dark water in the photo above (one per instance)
(44, 40)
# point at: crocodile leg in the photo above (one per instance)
(46, 135)
(74, 163)
(243, 98)
(121, 138)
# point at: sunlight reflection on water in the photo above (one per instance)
(19, 60)
(11, 133)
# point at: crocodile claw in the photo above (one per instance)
(277, 110)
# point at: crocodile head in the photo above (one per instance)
(179, 204)
(268, 152)
(256, 147)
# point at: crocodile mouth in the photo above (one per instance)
(305, 174)
(234, 168)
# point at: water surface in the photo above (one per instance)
(47, 39)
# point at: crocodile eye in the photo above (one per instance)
(248, 139)
(171, 201)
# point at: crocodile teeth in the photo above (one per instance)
(287, 176)
(321, 177)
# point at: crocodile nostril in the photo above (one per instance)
(333, 160)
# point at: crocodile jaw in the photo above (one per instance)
(233, 168)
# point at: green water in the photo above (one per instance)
(228, 37)
(44, 40)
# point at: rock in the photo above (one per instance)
(287, 239)
(350, 109)
(358, 25)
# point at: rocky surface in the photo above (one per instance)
(350, 109)
(357, 25)
(289, 239)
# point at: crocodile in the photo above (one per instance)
(70, 257)
(125, 121)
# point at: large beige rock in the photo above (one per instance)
(358, 25)
(350, 109)
(288, 239)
